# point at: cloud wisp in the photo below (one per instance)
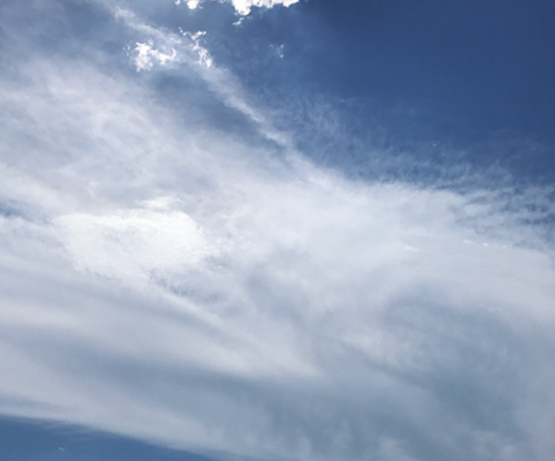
(168, 279)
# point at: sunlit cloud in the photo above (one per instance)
(146, 55)
(243, 7)
(172, 280)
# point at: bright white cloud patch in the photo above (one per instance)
(146, 56)
(243, 7)
(165, 278)
(133, 244)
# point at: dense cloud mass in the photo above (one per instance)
(173, 268)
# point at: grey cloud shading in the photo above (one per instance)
(204, 287)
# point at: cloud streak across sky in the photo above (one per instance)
(182, 274)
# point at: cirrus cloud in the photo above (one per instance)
(203, 286)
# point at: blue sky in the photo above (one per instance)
(277, 230)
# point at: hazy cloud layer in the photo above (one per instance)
(184, 276)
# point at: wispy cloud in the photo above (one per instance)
(171, 280)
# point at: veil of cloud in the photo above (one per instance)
(184, 276)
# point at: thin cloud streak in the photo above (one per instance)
(176, 283)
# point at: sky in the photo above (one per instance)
(277, 230)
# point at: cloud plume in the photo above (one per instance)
(203, 286)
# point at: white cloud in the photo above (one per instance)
(192, 4)
(192, 54)
(204, 58)
(134, 243)
(161, 278)
(243, 7)
(147, 56)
